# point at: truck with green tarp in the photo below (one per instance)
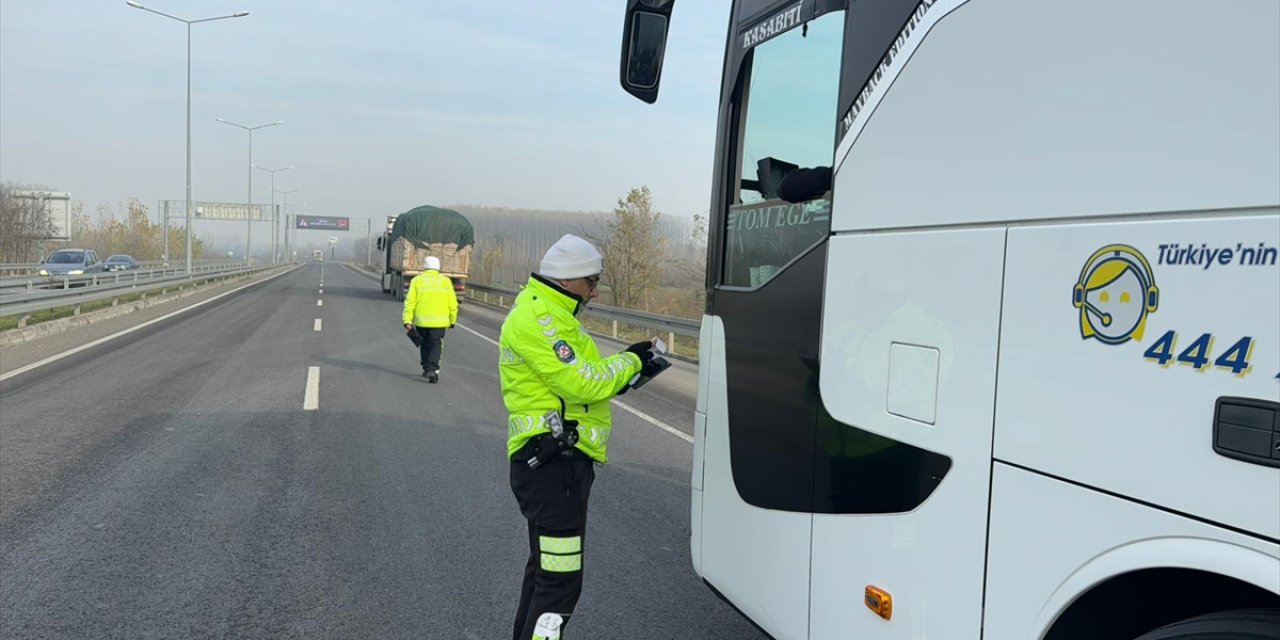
(420, 232)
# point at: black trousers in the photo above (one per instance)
(432, 347)
(553, 498)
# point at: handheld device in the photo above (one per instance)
(662, 364)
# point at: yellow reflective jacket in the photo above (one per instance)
(548, 362)
(431, 302)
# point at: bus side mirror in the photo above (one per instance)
(380, 243)
(644, 44)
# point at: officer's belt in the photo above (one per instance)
(530, 449)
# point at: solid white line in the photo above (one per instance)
(618, 403)
(317, 328)
(71, 352)
(311, 399)
(654, 421)
(319, 303)
(479, 335)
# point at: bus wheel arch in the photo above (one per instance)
(1130, 605)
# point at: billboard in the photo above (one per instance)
(323, 223)
(171, 209)
(56, 206)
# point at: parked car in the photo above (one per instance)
(120, 263)
(70, 262)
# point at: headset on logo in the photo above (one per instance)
(1115, 293)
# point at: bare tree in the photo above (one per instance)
(133, 233)
(634, 248)
(24, 227)
(685, 275)
(510, 243)
(487, 267)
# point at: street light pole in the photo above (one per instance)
(190, 203)
(287, 255)
(275, 221)
(248, 212)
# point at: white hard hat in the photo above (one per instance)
(571, 257)
(431, 263)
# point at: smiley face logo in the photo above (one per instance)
(1115, 293)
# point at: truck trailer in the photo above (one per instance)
(420, 232)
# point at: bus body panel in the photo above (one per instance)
(1014, 110)
(1002, 146)
(910, 330)
(706, 353)
(1076, 539)
(757, 558)
(1128, 405)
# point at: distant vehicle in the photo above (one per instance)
(421, 232)
(317, 255)
(70, 262)
(120, 263)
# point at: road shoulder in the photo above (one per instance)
(88, 328)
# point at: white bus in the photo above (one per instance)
(992, 341)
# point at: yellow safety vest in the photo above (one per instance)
(431, 302)
(548, 362)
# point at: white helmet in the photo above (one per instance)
(431, 263)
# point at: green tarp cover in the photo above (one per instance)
(427, 225)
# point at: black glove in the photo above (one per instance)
(549, 446)
(644, 350)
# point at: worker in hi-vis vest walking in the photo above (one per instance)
(430, 308)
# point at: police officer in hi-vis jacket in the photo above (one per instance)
(557, 388)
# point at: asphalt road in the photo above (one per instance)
(170, 484)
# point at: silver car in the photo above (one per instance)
(70, 263)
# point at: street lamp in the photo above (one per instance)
(286, 193)
(248, 212)
(275, 222)
(190, 204)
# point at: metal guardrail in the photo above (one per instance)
(669, 324)
(23, 268)
(21, 271)
(35, 283)
(26, 304)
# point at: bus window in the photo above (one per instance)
(787, 122)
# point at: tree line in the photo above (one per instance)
(25, 230)
(24, 227)
(652, 261)
(131, 232)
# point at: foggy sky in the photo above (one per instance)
(387, 104)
